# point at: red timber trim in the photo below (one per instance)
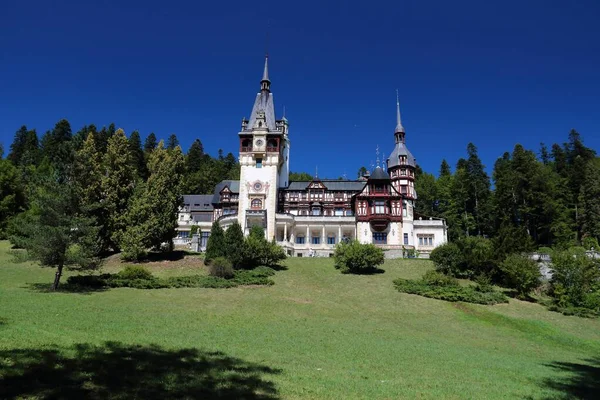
(245, 143)
(273, 144)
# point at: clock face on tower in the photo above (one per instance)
(259, 143)
(257, 186)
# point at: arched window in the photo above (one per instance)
(256, 204)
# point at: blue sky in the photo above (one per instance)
(491, 73)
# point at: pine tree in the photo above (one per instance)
(17, 148)
(150, 143)
(234, 243)
(56, 147)
(88, 173)
(425, 186)
(11, 194)
(590, 200)
(216, 243)
(137, 155)
(445, 169)
(172, 142)
(163, 193)
(195, 157)
(118, 183)
(53, 232)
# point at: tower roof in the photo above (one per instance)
(379, 174)
(263, 102)
(266, 70)
(399, 127)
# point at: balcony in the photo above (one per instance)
(272, 149)
(246, 149)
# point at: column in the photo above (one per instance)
(339, 238)
(285, 232)
(323, 238)
(307, 235)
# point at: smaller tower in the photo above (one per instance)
(401, 166)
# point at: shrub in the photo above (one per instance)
(195, 229)
(448, 290)
(132, 244)
(216, 243)
(356, 258)
(511, 239)
(575, 279)
(221, 267)
(436, 278)
(521, 273)
(447, 258)
(273, 254)
(234, 242)
(135, 272)
(589, 243)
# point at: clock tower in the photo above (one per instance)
(264, 157)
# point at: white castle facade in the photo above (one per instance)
(310, 217)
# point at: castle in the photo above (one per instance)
(310, 218)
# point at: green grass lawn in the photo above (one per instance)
(315, 334)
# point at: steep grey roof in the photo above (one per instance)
(234, 186)
(266, 70)
(399, 127)
(400, 150)
(379, 174)
(263, 102)
(198, 202)
(337, 185)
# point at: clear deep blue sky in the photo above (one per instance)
(493, 73)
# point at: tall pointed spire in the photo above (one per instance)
(265, 83)
(399, 127)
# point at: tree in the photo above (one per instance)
(575, 279)
(11, 194)
(137, 155)
(357, 258)
(152, 215)
(56, 147)
(300, 177)
(88, 173)
(172, 142)
(445, 169)
(53, 232)
(150, 143)
(521, 273)
(216, 243)
(17, 148)
(195, 157)
(425, 186)
(590, 200)
(118, 183)
(362, 171)
(234, 243)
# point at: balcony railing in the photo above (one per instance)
(246, 149)
(272, 149)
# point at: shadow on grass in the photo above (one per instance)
(579, 381)
(64, 288)
(368, 271)
(118, 371)
(174, 255)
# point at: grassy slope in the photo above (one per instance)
(333, 336)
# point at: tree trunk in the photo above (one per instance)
(57, 276)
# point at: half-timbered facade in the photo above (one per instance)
(310, 217)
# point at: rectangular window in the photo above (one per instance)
(406, 238)
(379, 238)
(299, 239)
(380, 207)
(430, 240)
(404, 209)
(330, 239)
(316, 240)
(259, 163)
(316, 211)
(184, 234)
(339, 211)
(420, 241)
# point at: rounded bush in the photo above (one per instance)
(131, 272)
(221, 267)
